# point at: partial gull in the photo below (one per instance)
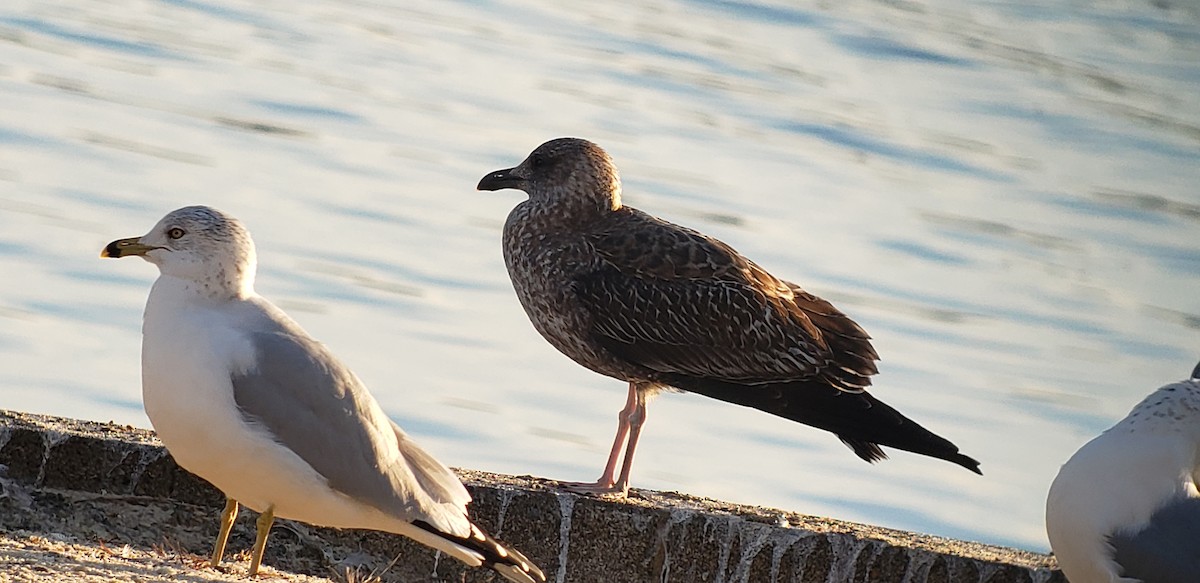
(1125, 507)
(661, 306)
(246, 399)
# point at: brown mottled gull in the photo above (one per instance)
(246, 399)
(661, 306)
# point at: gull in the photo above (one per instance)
(243, 397)
(1125, 508)
(660, 306)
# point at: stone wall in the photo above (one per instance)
(117, 485)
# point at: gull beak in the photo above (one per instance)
(500, 179)
(126, 247)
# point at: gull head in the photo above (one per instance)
(569, 174)
(200, 245)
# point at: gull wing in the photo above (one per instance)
(315, 406)
(1167, 550)
(677, 301)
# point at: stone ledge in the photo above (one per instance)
(117, 485)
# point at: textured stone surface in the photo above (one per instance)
(117, 486)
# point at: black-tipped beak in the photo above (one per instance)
(126, 247)
(501, 179)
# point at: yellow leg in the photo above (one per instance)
(227, 517)
(260, 542)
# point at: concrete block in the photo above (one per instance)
(119, 486)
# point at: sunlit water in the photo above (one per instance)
(1004, 194)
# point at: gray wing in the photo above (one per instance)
(314, 405)
(677, 301)
(1167, 550)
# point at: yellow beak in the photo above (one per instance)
(126, 247)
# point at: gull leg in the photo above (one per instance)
(610, 468)
(636, 419)
(260, 541)
(227, 517)
(606, 484)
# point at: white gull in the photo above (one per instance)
(243, 397)
(1125, 507)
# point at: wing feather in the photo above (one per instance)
(1167, 549)
(316, 407)
(676, 301)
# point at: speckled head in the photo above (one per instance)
(199, 244)
(566, 172)
(1173, 409)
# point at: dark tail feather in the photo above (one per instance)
(505, 560)
(859, 419)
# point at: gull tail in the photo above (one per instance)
(487, 552)
(859, 419)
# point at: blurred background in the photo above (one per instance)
(1003, 193)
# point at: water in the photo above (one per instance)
(1003, 194)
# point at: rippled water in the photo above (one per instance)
(1003, 194)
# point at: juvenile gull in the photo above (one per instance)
(246, 399)
(1125, 507)
(661, 306)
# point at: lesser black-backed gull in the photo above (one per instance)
(660, 306)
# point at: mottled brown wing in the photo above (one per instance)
(852, 356)
(676, 301)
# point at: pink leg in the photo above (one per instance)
(629, 425)
(636, 419)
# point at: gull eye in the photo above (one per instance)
(537, 161)
(175, 232)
